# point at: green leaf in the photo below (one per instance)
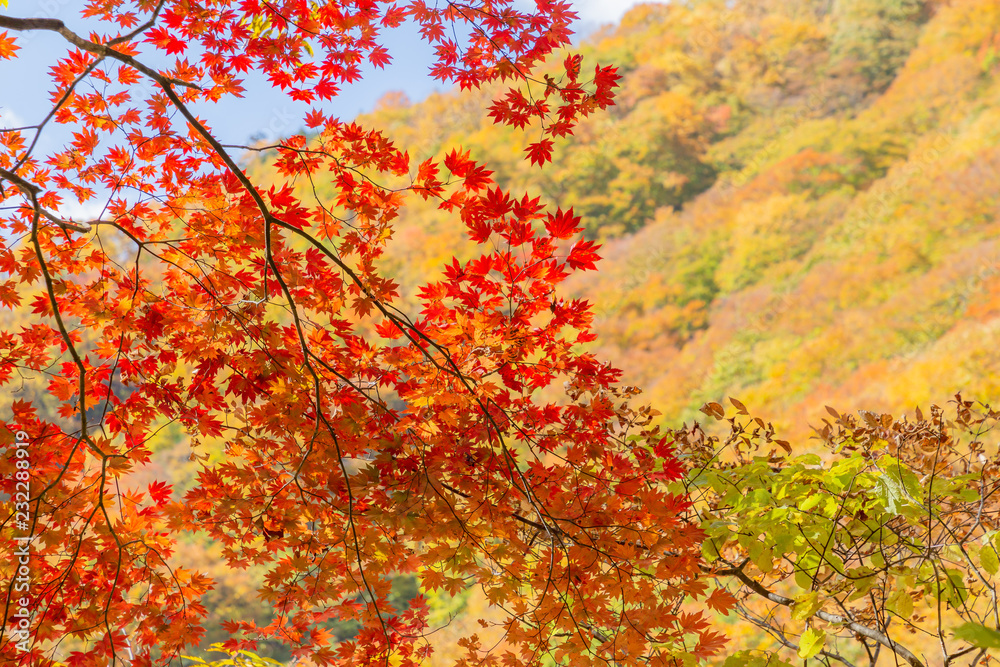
(812, 642)
(988, 559)
(978, 635)
(863, 581)
(901, 603)
(754, 659)
(806, 605)
(810, 502)
(810, 460)
(806, 568)
(890, 492)
(783, 542)
(834, 561)
(709, 550)
(955, 588)
(764, 561)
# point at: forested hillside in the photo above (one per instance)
(797, 201)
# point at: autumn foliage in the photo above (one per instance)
(878, 547)
(493, 450)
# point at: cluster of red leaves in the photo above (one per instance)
(500, 454)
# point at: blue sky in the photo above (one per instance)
(25, 81)
(266, 114)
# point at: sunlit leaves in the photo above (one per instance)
(341, 441)
(811, 643)
(895, 515)
(978, 635)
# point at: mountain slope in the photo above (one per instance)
(797, 202)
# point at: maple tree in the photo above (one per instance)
(472, 443)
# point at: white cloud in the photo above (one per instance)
(10, 119)
(605, 11)
(595, 12)
(74, 210)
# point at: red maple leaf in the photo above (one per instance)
(540, 152)
(159, 491)
(562, 225)
(315, 118)
(582, 255)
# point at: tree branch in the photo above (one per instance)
(55, 25)
(860, 629)
(31, 191)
